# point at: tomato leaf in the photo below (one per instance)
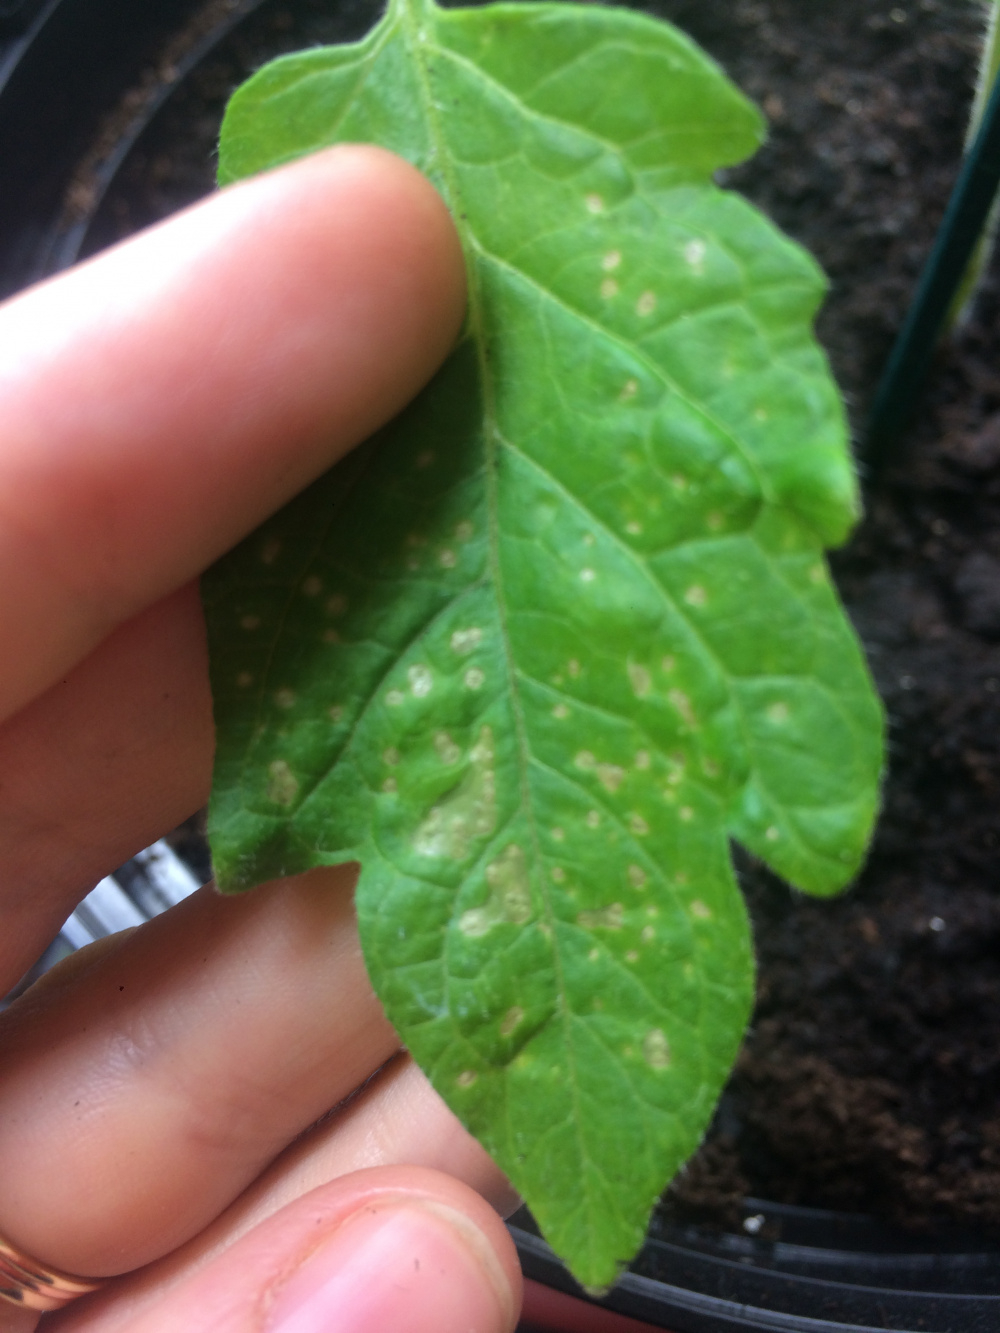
(565, 628)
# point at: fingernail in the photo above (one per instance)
(412, 1268)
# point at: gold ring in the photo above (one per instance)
(33, 1286)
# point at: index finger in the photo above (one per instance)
(161, 400)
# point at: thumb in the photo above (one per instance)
(401, 1248)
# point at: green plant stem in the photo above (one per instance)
(989, 66)
(968, 209)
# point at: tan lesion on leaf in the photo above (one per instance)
(511, 1019)
(683, 705)
(510, 894)
(282, 784)
(463, 641)
(468, 812)
(447, 751)
(640, 678)
(611, 917)
(656, 1049)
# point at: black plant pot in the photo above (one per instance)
(86, 83)
(794, 1270)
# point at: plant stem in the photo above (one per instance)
(989, 66)
(968, 208)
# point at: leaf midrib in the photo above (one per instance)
(410, 23)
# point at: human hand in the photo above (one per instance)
(155, 405)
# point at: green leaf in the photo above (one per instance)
(565, 628)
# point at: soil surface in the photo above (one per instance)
(871, 1075)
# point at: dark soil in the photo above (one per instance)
(871, 1077)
